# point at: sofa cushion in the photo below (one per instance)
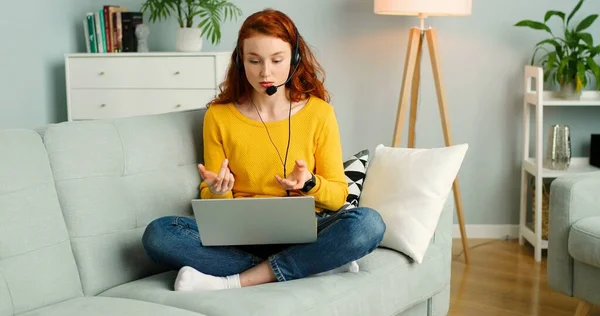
(355, 169)
(409, 188)
(104, 306)
(115, 176)
(584, 241)
(37, 267)
(388, 282)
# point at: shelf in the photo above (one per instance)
(529, 235)
(539, 99)
(588, 98)
(579, 165)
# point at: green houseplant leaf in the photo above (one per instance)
(595, 70)
(552, 13)
(208, 15)
(569, 57)
(534, 25)
(212, 14)
(587, 22)
(575, 9)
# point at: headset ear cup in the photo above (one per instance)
(296, 51)
(296, 56)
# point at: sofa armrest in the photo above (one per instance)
(571, 199)
(442, 239)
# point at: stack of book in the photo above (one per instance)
(111, 30)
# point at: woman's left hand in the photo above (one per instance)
(296, 179)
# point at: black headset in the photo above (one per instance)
(295, 53)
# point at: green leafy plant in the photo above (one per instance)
(211, 14)
(572, 57)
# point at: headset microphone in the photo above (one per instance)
(272, 89)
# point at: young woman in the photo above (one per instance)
(270, 132)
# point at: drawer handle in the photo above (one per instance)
(178, 106)
(103, 105)
(177, 72)
(101, 73)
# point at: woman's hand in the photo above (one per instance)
(296, 179)
(219, 183)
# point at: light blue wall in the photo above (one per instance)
(363, 55)
(34, 35)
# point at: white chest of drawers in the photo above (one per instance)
(103, 86)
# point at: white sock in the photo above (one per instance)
(190, 279)
(353, 267)
(348, 267)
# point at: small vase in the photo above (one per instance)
(558, 151)
(189, 39)
(567, 91)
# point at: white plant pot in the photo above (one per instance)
(567, 91)
(188, 39)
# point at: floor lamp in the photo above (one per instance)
(412, 74)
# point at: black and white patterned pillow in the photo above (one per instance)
(355, 169)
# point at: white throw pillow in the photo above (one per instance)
(408, 187)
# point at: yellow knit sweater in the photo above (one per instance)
(254, 161)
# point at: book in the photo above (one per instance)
(102, 31)
(87, 36)
(91, 33)
(129, 20)
(118, 31)
(99, 32)
(111, 29)
(110, 26)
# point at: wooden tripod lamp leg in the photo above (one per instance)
(410, 62)
(414, 99)
(439, 87)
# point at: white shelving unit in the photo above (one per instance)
(538, 99)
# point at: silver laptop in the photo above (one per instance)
(255, 221)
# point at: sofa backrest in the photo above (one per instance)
(113, 177)
(37, 267)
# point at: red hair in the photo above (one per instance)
(308, 79)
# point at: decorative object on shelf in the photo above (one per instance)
(558, 152)
(141, 33)
(572, 57)
(412, 74)
(595, 150)
(210, 12)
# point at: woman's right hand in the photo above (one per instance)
(219, 183)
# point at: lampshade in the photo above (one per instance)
(425, 7)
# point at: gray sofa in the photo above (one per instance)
(75, 198)
(574, 238)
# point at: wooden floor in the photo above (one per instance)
(504, 279)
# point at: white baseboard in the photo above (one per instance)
(487, 231)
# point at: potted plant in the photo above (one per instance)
(211, 13)
(571, 56)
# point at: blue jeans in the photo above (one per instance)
(342, 237)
